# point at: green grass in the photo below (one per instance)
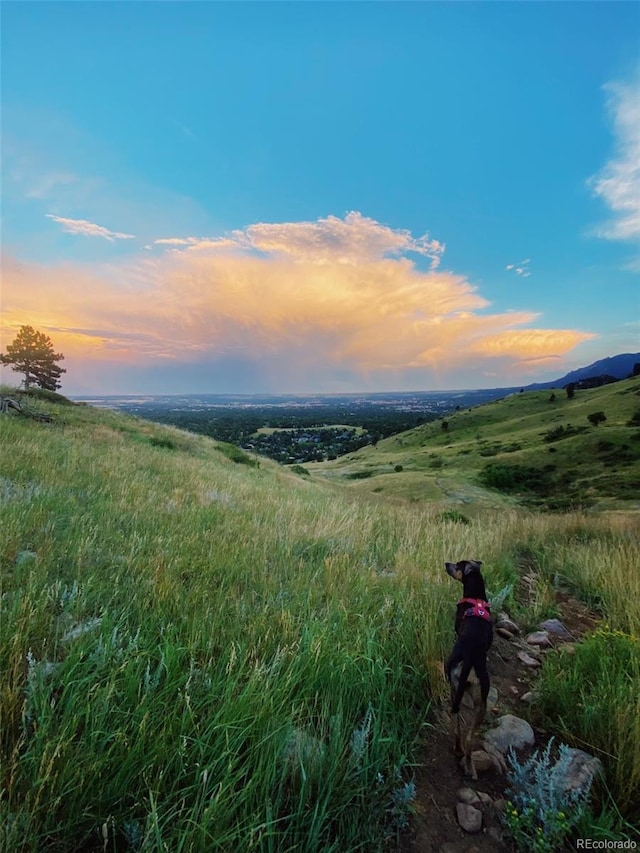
(549, 454)
(227, 626)
(592, 699)
(199, 654)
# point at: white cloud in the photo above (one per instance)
(618, 183)
(521, 268)
(354, 239)
(88, 229)
(199, 243)
(175, 241)
(350, 240)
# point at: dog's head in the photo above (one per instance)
(462, 569)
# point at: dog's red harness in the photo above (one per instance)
(479, 608)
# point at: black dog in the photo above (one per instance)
(474, 630)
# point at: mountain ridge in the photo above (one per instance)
(617, 366)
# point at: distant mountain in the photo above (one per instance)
(615, 367)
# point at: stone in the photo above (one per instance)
(528, 697)
(483, 761)
(468, 796)
(503, 632)
(567, 648)
(492, 698)
(579, 771)
(469, 818)
(503, 621)
(555, 627)
(539, 638)
(485, 798)
(500, 805)
(527, 660)
(511, 732)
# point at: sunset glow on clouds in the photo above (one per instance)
(320, 197)
(339, 292)
(332, 240)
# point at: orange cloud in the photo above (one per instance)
(323, 297)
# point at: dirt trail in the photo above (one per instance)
(439, 778)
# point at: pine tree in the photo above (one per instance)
(32, 353)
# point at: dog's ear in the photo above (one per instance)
(472, 566)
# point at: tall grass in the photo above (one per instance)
(198, 654)
(593, 701)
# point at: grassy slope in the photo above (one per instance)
(600, 465)
(205, 655)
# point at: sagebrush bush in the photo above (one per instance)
(541, 810)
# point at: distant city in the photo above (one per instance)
(400, 401)
(299, 428)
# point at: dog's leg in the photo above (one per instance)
(465, 669)
(456, 728)
(480, 710)
(481, 671)
(456, 657)
(456, 735)
(478, 717)
(453, 677)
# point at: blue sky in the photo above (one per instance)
(303, 196)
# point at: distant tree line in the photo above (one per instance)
(303, 434)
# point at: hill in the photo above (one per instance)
(200, 652)
(531, 447)
(616, 367)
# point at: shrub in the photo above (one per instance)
(559, 432)
(596, 418)
(453, 515)
(541, 811)
(634, 420)
(162, 441)
(236, 455)
(298, 469)
(517, 478)
(397, 468)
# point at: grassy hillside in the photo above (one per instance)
(199, 653)
(523, 448)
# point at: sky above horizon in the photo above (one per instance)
(246, 197)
